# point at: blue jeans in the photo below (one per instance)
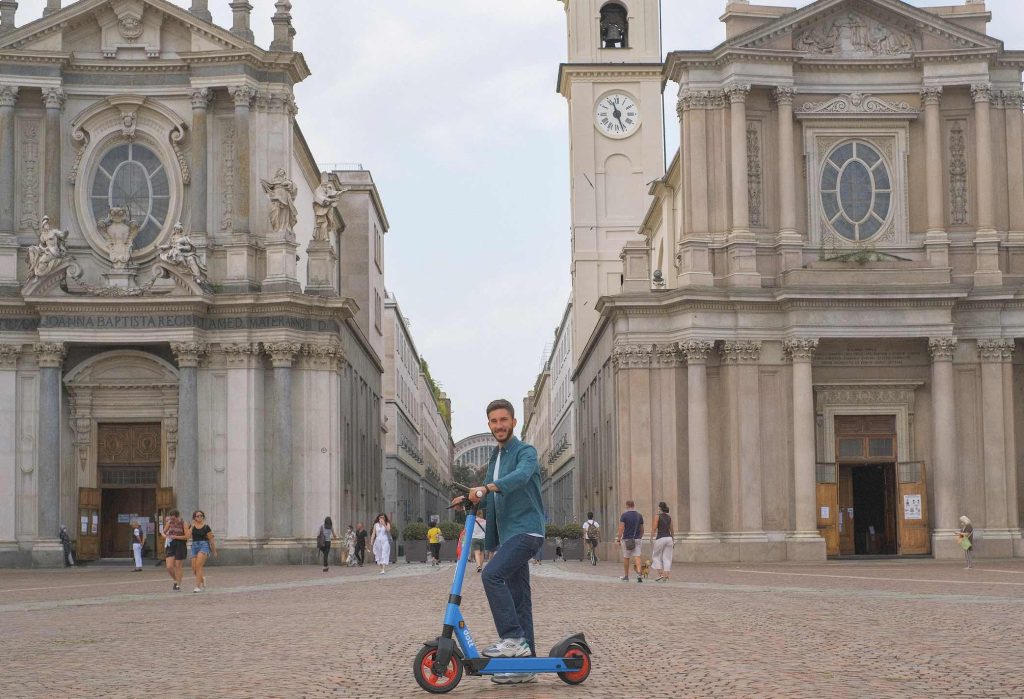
(507, 584)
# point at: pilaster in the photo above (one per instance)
(741, 359)
(936, 240)
(199, 186)
(8, 436)
(789, 242)
(242, 250)
(986, 240)
(992, 354)
(245, 490)
(282, 356)
(188, 355)
(53, 100)
(696, 352)
(804, 541)
(693, 256)
(741, 248)
(8, 229)
(50, 358)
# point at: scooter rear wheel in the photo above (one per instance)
(576, 676)
(423, 670)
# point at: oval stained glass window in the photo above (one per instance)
(131, 175)
(856, 190)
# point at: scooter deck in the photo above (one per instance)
(491, 666)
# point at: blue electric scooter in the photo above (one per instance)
(439, 664)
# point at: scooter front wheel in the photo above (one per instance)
(423, 670)
(576, 676)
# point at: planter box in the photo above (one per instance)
(415, 550)
(572, 549)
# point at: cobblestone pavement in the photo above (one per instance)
(890, 628)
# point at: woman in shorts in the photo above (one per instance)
(174, 531)
(202, 547)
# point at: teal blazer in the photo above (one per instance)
(517, 508)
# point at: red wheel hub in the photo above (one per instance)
(427, 670)
(576, 675)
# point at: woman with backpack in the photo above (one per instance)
(323, 540)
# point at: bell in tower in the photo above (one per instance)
(614, 26)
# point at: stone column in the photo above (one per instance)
(200, 223)
(8, 436)
(243, 96)
(50, 357)
(801, 352)
(742, 249)
(1015, 163)
(189, 356)
(789, 242)
(201, 9)
(1009, 429)
(240, 14)
(992, 354)
(936, 240)
(8, 96)
(53, 98)
(986, 240)
(696, 353)
(282, 355)
(943, 465)
(693, 254)
(743, 358)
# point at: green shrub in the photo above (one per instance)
(395, 531)
(553, 530)
(415, 531)
(450, 530)
(572, 531)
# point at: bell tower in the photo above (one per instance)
(612, 81)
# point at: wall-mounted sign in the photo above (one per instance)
(911, 507)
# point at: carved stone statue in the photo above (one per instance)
(51, 251)
(282, 192)
(325, 200)
(181, 252)
(119, 232)
(854, 36)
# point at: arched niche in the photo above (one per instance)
(614, 26)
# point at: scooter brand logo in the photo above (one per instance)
(469, 639)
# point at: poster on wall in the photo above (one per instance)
(95, 524)
(85, 524)
(911, 507)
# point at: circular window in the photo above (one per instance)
(131, 175)
(856, 190)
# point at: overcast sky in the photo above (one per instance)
(451, 104)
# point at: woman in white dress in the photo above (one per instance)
(380, 541)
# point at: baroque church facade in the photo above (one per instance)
(190, 311)
(802, 333)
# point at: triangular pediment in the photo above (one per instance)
(118, 26)
(863, 29)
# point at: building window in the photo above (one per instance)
(130, 175)
(856, 191)
(614, 26)
(376, 310)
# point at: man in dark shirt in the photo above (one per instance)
(631, 531)
(361, 534)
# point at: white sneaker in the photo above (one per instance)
(513, 677)
(197, 590)
(509, 648)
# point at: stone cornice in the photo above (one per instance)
(597, 72)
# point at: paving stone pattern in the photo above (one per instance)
(891, 628)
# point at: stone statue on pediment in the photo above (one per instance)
(325, 200)
(119, 231)
(181, 252)
(853, 36)
(50, 252)
(283, 214)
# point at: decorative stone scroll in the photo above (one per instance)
(741, 351)
(995, 350)
(942, 348)
(801, 349)
(858, 103)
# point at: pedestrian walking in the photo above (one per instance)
(479, 534)
(350, 546)
(661, 558)
(65, 543)
(592, 535)
(965, 537)
(174, 531)
(630, 535)
(138, 541)
(203, 546)
(361, 535)
(323, 540)
(434, 540)
(380, 542)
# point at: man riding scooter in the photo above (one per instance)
(515, 531)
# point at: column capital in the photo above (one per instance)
(695, 351)
(242, 95)
(631, 356)
(741, 351)
(323, 356)
(240, 354)
(1012, 98)
(201, 97)
(737, 92)
(784, 95)
(50, 355)
(995, 350)
(8, 95)
(667, 355)
(800, 349)
(701, 99)
(189, 354)
(53, 98)
(9, 356)
(981, 92)
(282, 354)
(942, 349)
(931, 94)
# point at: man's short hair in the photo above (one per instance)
(500, 404)
(630, 503)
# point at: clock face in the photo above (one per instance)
(617, 115)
